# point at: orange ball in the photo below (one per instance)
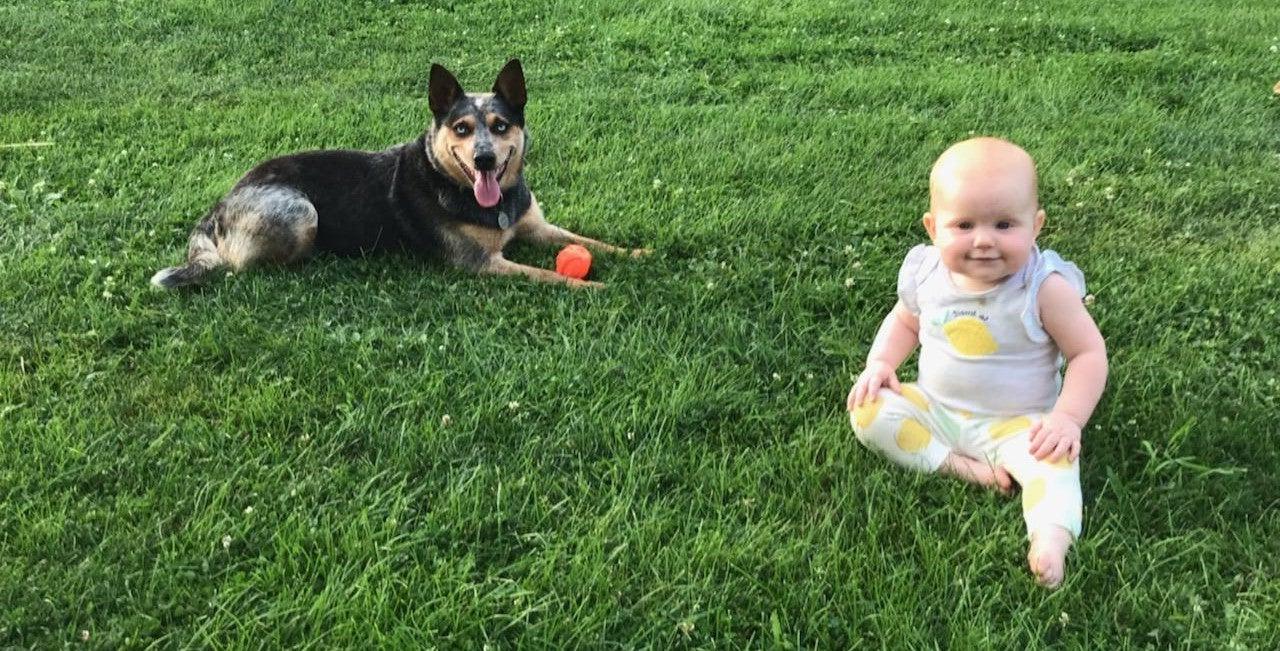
(573, 261)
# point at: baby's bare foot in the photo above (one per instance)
(1047, 556)
(977, 472)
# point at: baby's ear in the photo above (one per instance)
(1039, 222)
(929, 224)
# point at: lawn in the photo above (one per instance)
(389, 452)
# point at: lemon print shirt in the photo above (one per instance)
(985, 352)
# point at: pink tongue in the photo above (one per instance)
(488, 194)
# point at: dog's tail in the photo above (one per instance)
(202, 259)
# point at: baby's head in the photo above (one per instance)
(984, 214)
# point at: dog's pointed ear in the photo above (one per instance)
(510, 85)
(443, 90)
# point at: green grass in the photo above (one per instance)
(666, 463)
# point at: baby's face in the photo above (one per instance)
(985, 230)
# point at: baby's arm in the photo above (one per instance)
(897, 337)
(1073, 330)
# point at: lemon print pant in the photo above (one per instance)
(917, 433)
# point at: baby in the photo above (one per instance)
(994, 316)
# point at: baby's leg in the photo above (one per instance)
(899, 427)
(904, 428)
(1051, 503)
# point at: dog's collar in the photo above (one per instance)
(508, 211)
(462, 206)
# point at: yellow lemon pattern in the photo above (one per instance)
(1032, 494)
(914, 396)
(1010, 427)
(862, 416)
(912, 436)
(969, 336)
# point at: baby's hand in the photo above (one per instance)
(877, 374)
(1055, 437)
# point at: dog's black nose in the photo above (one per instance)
(485, 161)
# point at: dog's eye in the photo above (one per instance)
(500, 127)
(462, 129)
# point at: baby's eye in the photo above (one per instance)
(462, 129)
(1004, 225)
(964, 226)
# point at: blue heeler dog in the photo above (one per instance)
(457, 192)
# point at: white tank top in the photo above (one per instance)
(985, 352)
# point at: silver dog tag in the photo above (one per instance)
(504, 222)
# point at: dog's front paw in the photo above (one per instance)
(639, 253)
(584, 284)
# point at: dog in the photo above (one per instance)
(457, 193)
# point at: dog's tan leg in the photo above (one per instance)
(533, 226)
(503, 267)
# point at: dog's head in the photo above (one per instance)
(478, 139)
